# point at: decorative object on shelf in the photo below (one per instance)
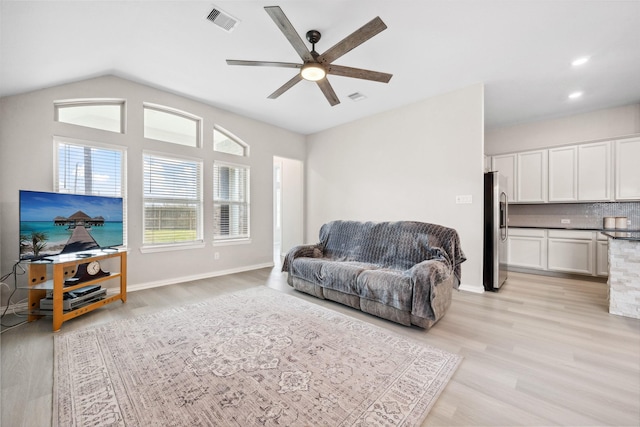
(87, 271)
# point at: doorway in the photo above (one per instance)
(288, 206)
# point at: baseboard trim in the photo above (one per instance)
(183, 279)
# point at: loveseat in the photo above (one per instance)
(403, 271)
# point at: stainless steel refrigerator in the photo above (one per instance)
(496, 231)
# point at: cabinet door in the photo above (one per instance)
(563, 174)
(594, 171)
(570, 255)
(531, 173)
(506, 165)
(602, 258)
(627, 169)
(527, 248)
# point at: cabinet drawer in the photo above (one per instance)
(527, 232)
(571, 234)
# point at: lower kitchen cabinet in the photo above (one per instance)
(570, 251)
(566, 251)
(602, 255)
(527, 248)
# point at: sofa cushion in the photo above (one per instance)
(338, 275)
(389, 287)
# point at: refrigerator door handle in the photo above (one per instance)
(504, 216)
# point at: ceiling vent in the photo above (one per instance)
(357, 96)
(223, 19)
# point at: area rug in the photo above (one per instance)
(256, 357)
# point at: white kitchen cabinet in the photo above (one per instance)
(594, 171)
(627, 169)
(602, 256)
(531, 176)
(563, 174)
(506, 165)
(527, 248)
(570, 251)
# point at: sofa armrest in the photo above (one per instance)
(433, 281)
(309, 251)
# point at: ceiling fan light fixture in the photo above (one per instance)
(313, 72)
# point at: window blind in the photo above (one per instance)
(172, 200)
(230, 201)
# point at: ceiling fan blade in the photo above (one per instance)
(263, 63)
(289, 32)
(353, 40)
(285, 87)
(328, 91)
(358, 73)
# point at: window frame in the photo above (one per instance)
(178, 113)
(218, 239)
(89, 102)
(234, 138)
(198, 242)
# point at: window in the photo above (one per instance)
(172, 200)
(224, 142)
(84, 168)
(89, 168)
(230, 202)
(93, 113)
(171, 125)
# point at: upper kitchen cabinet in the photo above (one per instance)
(531, 176)
(594, 171)
(563, 174)
(506, 165)
(627, 169)
(580, 173)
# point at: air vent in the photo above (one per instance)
(357, 96)
(222, 19)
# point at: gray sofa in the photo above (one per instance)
(402, 271)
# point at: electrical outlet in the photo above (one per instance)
(216, 255)
(465, 199)
(565, 221)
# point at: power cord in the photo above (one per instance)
(15, 273)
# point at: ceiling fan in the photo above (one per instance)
(315, 67)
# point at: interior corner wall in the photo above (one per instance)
(405, 164)
(609, 123)
(27, 128)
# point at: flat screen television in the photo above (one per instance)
(61, 223)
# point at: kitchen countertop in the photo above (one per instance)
(602, 230)
(623, 235)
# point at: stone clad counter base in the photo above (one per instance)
(624, 277)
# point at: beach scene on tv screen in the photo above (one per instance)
(57, 223)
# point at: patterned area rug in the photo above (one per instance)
(256, 357)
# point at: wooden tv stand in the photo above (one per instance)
(65, 267)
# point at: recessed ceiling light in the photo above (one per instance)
(575, 95)
(580, 61)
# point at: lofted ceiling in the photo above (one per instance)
(521, 50)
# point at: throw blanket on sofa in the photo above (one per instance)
(398, 264)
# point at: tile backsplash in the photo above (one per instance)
(578, 215)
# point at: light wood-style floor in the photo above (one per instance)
(543, 351)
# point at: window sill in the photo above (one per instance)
(171, 247)
(231, 242)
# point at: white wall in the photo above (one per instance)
(26, 147)
(405, 164)
(596, 125)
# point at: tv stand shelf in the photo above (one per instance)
(64, 267)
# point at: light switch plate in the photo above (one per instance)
(464, 199)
